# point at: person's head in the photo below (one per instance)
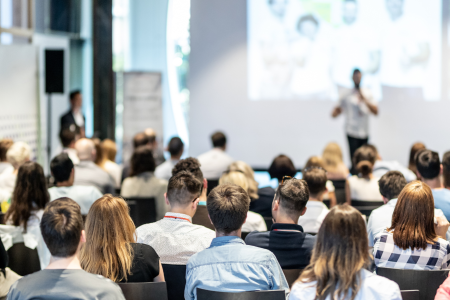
(76, 100)
(192, 165)
(290, 199)
(391, 185)
(109, 149)
(109, 232)
(428, 164)
(394, 8)
(308, 26)
(67, 137)
(18, 154)
(341, 251)
(332, 156)
(412, 155)
(250, 174)
(349, 11)
(413, 218)
(278, 7)
(364, 159)
(62, 169)
(5, 144)
(446, 169)
(316, 178)
(140, 139)
(235, 177)
(142, 161)
(314, 161)
(99, 154)
(184, 190)
(356, 77)
(175, 147)
(219, 140)
(86, 149)
(62, 228)
(282, 166)
(228, 206)
(151, 136)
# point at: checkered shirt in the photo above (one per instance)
(387, 254)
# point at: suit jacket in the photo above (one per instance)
(67, 119)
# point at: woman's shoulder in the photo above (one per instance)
(143, 250)
(371, 284)
(303, 290)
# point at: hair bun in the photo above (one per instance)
(364, 167)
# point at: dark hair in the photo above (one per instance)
(356, 70)
(282, 166)
(30, 193)
(61, 166)
(228, 206)
(428, 164)
(61, 227)
(391, 184)
(364, 159)
(316, 179)
(73, 94)
(183, 188)
(140, 139)
(446, 169)
(175, 146)
(142, 161)
(218, 139)
(67, 136)
(305, 18)
(412, 155)
(189, 164)
(5, 144)
(293, 195)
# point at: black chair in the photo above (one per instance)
(366, 207)
(23, 260)
(339, 191)
(427, 282)
(244, 235)
(410, 295)
(292, 275)
(142, 210)
(327, 203)
(212, 184)
(256, 295)
(144, 290)
(201, 217)
(269, 222)
(175, 276)
(2, 218)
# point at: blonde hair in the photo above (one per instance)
(109, 232)
(109, 149)
(18, 154)
(314, 161)
(235, 177)
(332, 156)
(250, 174)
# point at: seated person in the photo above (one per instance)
(381, 167)
(329, 194)
(7, 276)
(68, 137)
(64, 174)
(316, 211)
(287, 240)
(446, 169)
(215, 161)
(229, 265)
(109, 149)
(174, 238)
(62, 230)
(412, 156)
(338, 264)
(333, 162)
(413, 241)
(111, 249)
(443, 293)
(5, 144)
(175, 148)
(18, 154)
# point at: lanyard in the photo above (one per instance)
(172, 217)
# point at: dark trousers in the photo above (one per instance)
(353, 144)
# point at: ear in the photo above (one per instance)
(276, 205)
(385, 200)
(195, 203)
(166, 199)
(83, 236)
(419, 177)
(205, 184)
(72, 173)
(442, 170)
(304, 211)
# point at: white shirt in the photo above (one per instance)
(254, 222)
(8, 181)
(73, 155)
(316, 212)
(164, 170)
(85, 196)
(6, 166)
(373, 287)
(214, 163)
(364, 189)
(115, 171)
(381, 167)
(79, 119)
(174, 238)
(356, 113)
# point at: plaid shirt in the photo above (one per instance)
(387, 254)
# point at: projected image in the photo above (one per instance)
(307, 49)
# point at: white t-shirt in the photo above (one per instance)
(115, 171)
(214, 163)
(254, 222)
(356, 113)
(316, 211)
(364, 189)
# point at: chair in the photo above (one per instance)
(142, 210)
(256, 295)
(244, 235)
(327, 203)
(212, 184)
(201, 217)
(269, 222)
(2, 218)
(292, 275)
(339, 191)
(410, 295)
(366, 207)
(23, 260)
(427, 282)
(144, 290)
(175, 276)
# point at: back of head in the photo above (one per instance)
(364, 159)
(61, 167)
(412, 155)
(218, 139)
(175, 146)
(293, 195)
(282, 166)
(190, 164)
(99, 155)
(18, 154)
(235, 177)
(61, 227)
(5, 144)
(73, 94)
(228, 206)
(142, 161)
(183, 189)
(109, 232)
(428, 164)
(250, 174)
(391, 184)
(446, 169)
(151, 135)
(109, 149)
(140, 139)
(315, 161)
(341, 251)
(67, 137)
(332, 156)
(85, 149)
(316, 178)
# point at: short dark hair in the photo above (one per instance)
(316, 178)
(183, 188)
(356, 70)
(175, 146)
(5, 144)
(446, 169)
(61, 166)
(190, 164)
(305, 18)
(218, 139)
(67, 136)
(142, 161)
(293, 195)
(364, 159)
(228, 206)
(61, 227)
(428, 164)
(391, 184)
(282, 166)
(73, 94)
(140, 139)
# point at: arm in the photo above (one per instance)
(189, 289)
(347, 193)
(373, 108)
(443, 293)
(336, 111)
(279, 280)
(160, 277)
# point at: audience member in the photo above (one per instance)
(108, 163)
(381, 167)
(254, 221)
(333, 162)
(68, 138)
(174, 238)
(139, 139)
(287, 240)
(142, 182)
(111, 249)
(446, 169)
(317, 162)
(414, 240)
(7, 276)
(63, 172)
(316, 211)
(443, 293)
(229, 265)
(5, 144)
(191, 164)
(17, 155)
(339, 261)
(244, 168)
(364, 186)
(62, 230)
(158, 154)
(412, 156)
(175, 148)
(215, 161)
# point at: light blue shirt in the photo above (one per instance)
(442, 201)
(229, 265)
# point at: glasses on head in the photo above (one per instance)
(313, 168)
(285, 178)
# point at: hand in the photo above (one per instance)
(442, 226)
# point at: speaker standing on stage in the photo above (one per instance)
(357, 105)
(74, 116)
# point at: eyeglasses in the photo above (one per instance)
(285, 178)
(313, 168)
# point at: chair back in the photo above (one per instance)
(142, 210)
(339, 191)
(144, 290)
(23, 260)
(269, 222)
(211, 184)
(410, 295)
(175, 276)
(201, 217)
(292, 275)
(327, 203)
(427, 282)
(256, 295)
(244, 235)
(366, 207)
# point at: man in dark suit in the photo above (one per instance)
(74, 117)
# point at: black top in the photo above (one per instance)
(68, 119)
(263, 205)
(291, 248)
(145, 264)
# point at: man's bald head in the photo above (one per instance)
(85, 149)
(151, 135)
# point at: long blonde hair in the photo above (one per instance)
(109, 232)
(332, 156)
(235, 177)
(250, 174)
